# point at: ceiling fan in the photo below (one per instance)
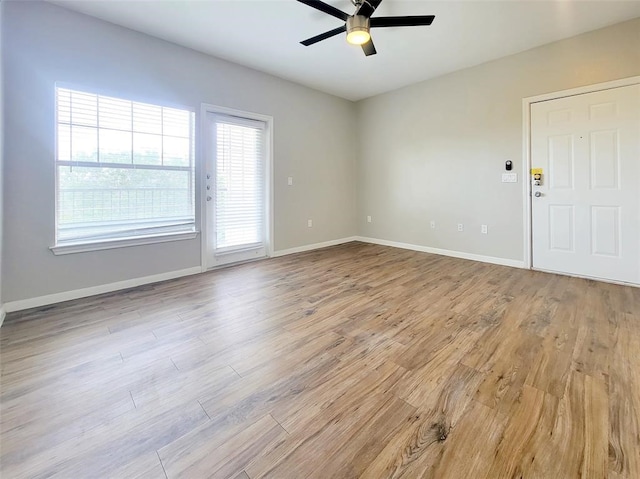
(357, 25)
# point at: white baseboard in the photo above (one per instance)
(445, 252)
(309, 247)
(22, 304)
(425, 249)
(19, 305)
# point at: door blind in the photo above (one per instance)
(240, 184)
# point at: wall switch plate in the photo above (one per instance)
(309, 223)
(368, 219)
(290, 180)
(484, 229)
(509, 177)
(460, 227)
(433, 225)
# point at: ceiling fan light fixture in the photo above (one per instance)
(358, 30)
(357, 26)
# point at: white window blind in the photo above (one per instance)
(124, 169)
(240, 184)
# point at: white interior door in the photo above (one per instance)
(236, 189)
(586, 211)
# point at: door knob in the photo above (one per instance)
(537, 194)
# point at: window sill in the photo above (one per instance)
(120, 243)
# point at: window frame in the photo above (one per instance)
(133, 240)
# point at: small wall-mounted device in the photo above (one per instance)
(508, 165)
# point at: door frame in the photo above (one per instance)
(526, 145)
(202, 181)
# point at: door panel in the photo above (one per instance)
(586, 212)
(561, 161)
(605, 230)
(561, 228)
(605, 160)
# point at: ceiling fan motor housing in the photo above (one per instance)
(357, 27)
(357, 23)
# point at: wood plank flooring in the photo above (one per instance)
(351, 361)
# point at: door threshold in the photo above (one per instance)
(237, 263)
(593, 278)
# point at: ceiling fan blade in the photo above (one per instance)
(367, 7)
(324, 36)
(325, 8)
(402, 21)
(368, 48)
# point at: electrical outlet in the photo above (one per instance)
(460, 227)
(368, 219)
(484, 229)
(290, 180)
(309, 223)
(433, 225)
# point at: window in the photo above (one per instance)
(124, 169)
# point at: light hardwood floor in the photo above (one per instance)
(351, 361)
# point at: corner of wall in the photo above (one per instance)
(357, 178)
(2, 5)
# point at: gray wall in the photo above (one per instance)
(1, 142)
(436, 150)
(45, 43)
(431, 151)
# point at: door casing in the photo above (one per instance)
(526, 144)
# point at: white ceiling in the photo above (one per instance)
(265, 35)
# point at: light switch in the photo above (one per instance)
(509, 177)
(290, 180)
